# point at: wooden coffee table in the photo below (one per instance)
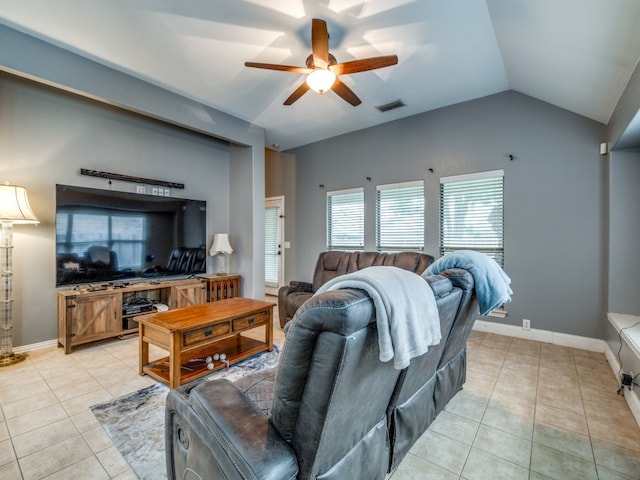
(199, 331)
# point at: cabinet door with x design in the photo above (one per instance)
(91, 318)
(188, 295)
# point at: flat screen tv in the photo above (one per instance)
(107, 236)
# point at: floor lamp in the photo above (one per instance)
(14, 209)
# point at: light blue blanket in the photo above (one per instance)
(406, 312)
(492, 285)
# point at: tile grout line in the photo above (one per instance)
(593, 453)
(485, 409)
(10, 439)
(535, 411)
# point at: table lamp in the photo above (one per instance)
(221, 247)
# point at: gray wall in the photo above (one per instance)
(51, 65)
(624, 233)
(46, 137)
(555, 189)
(624, 217)
(624, 127)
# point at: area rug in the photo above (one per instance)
(135, 422)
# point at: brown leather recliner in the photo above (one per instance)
(334, 263)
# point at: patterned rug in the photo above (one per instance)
(135, 422)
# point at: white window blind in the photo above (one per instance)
(271, 246)
(345, 219)
(400, 216)
(472, 214)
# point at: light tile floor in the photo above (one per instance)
(528, 411)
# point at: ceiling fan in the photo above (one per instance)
(323, 69)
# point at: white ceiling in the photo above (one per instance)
(576, 54)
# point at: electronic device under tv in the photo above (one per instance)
(107, 236)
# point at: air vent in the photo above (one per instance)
(390, 106)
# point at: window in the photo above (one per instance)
(400, 216)
(345, 219)
(472, 214)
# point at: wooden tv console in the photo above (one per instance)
(90, 314)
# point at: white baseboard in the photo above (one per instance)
(546, 336)
(564, 339)
(36, 346)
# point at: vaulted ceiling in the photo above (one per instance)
(575, 54)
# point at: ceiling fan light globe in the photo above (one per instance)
(321, 80)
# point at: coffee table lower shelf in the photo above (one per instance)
(235, 348)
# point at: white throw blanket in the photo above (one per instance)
(406, 311)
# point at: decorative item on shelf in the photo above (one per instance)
(221, 247)
(210, 361)
(14, 209)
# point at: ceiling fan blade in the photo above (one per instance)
(320, 43)
(301, 90)
(345, 92)
(364, 64)
(282, 68)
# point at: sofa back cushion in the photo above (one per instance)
(331, 392)
(330, 265)
(413, 408)
(335, 263)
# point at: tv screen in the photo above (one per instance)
(108, 236)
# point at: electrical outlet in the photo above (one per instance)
(154, 190)
(526, 324)
(140, 189)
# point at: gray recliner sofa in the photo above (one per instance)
(331, 409)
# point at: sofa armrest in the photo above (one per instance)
(293, 287)
(229, 436)
(290, 297)
(297, 286)
(440, 285)
(459, 278)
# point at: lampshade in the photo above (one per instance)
(220, 244)
(321, 80)
(14, 205)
